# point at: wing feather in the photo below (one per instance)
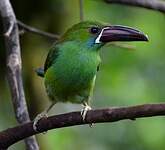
(51, 58)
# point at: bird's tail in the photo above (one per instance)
(40, 72)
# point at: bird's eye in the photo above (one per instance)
(94, 30)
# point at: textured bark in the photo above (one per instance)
(14, 68)
(15, 134)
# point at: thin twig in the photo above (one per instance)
(8, 32)
(158, 5)
(15, 134)
(81, 6)
(37, 31)
(14, 68)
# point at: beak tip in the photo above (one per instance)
(146, 38)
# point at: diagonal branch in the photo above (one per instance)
(14, 68)
(158, 5)
(15, 134)
(31, 29)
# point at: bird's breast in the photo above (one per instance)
(74, 73)
(77, 72)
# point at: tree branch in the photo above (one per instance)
(149, 4)
(81, 4)
(15, 134)
(31, 29)
(14, 68)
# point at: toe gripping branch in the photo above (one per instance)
(37, 119)
(84, 111)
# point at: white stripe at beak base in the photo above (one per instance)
(97, 41)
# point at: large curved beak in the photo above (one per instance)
(120, 33)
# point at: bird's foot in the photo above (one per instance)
(84, 111)
(38, 118)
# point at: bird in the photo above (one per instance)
(73, 61)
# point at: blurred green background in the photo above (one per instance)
(127, 77)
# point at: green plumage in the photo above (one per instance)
(71, 65)
(73, 61)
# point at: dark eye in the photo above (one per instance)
(94, 30)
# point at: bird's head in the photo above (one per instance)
(95, 34)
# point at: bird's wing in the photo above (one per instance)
(51, 58)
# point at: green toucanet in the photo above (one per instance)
(73, 61)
